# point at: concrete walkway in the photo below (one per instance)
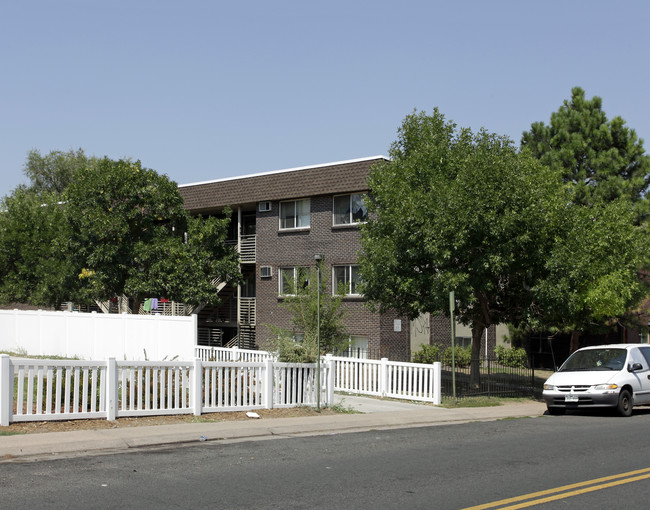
(377, 414)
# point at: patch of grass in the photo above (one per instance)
(200, 419)
(341, 408)
(481, 402)
(9, 433)
(22, 353)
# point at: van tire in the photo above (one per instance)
(625, 403)
(555, 411)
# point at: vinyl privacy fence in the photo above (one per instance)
(39, 390)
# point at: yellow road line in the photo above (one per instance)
(597, 484)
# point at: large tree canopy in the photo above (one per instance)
(53, 172)
(591, 272)
(131, 235)
(453, 210)
(602, 159)
(34, 266)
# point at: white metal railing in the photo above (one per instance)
(38, 390)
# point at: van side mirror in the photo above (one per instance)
(634, 367)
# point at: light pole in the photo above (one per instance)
(318, 258)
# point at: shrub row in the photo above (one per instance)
(433, 353)
(515, 358)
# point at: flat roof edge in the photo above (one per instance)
(286, 170)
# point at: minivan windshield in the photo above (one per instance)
(595, 359)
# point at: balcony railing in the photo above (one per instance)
(247, 311)
(247, 248)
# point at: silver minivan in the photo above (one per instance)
(615, 376)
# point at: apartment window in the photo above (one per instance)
(463, 341)
(294, 214)
(349, 209)
(358, 347)
(291, 277)
(346, 280)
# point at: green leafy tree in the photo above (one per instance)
(130, 234)
(53, 172)
(453, 210)
(303, 305)
(601, 159)
(593, 273)
(34, 264)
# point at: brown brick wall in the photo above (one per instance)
(339, 246)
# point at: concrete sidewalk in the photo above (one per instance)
(378, 414)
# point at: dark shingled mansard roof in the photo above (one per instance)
(325, 179)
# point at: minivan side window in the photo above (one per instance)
(646, 353)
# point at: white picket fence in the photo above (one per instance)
(381, 378)
(384, 378)
(39, 390)
(231, 354)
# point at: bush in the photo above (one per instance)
(427, 354)
(514, 358)
(432, 353)
(462, 358)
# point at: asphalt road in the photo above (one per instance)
(443, 467)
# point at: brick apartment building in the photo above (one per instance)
(281, 221)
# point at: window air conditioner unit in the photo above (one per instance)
(266, 272)
(264, 206)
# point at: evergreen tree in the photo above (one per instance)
(601, 159)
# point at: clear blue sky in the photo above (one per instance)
(201, 90)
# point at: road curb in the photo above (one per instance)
(105, 441)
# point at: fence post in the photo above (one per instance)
(383, 377)
(331, 369)
(267, 385)
(437, 383)
(234, 354)
(196, 388)
(6, 390)
(329, 359)
(111, 389)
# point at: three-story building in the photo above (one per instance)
(282, 221)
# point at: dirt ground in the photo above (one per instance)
(36, 427)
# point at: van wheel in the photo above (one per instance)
(555, 411)
(625, 403)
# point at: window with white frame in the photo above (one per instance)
(349, 209)
(290, 278)
(346, 280)
(358, 347)
(295, 214)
